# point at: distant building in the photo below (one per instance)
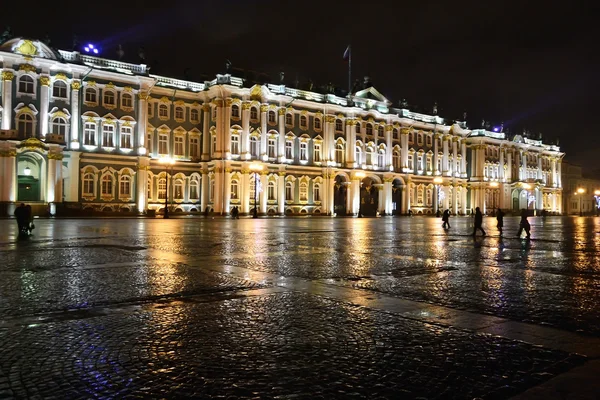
(80, 131)
(581, 195)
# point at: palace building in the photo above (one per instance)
(84, 132)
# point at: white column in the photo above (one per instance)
(380, 198)
(7, 77)
(245, 191)
(350, 143)
(245, 139)
(226, 131)
(388, 147)
(408, 195)
(445, 171)
(263, 193)
(463, 152)
(559, 174)
(387, 188)
(349, 197)
(44, 103)
(454, 156)
(281, 139)
(72, 138)
(220, 131)
(330, 195)
(464, 200)
(509, 177)
(263, 131)
(328, 139)
(72, 193)
(205, 189)
(227, 190)
(142, 183)
(50, 179)
(205, 137)
(435, 154)
(9, 177)
(281, 193)
(501, 165)
(539, 167)
(524, 165)
(553, 164)
(58, 180)
(435, 198)
(404, 150)
(355, 195)
(142, 123)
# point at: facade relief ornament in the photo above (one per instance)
(8, 153)
(330, 118)
(27, 68)
(264, 108)
(206, 107)
(55, 156)
(27, 48)
(76, 85)
(45, 80)
(61, 76)
(256, 93)
(7, 75)
(228, 102)
(246, 105)
(109, 85)
(281, 111)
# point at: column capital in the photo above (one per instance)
(264, 108)
(7, 75)
(206, 107)
(76, 84)
(45, 80)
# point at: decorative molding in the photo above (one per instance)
(27, 68)
(281, 111)
(55, 156)
(76, 85)
(8, 153)
(264, 108)
(45, 80)
(7, 75)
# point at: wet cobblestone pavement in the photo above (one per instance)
(194, 308)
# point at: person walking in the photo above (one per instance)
(500, 219)
(22, 219)
(446, 219)
(478, 222)
(524, 225)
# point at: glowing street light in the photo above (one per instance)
(27, 171)
(168, 161)
(580, 191)
(90, 48)
(256, 167)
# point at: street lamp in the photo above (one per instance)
(437, 181)
(256, 167)
(168, 163)
(580, 191)
(527, 186)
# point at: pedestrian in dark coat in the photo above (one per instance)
(22, 218)
(500, 219)
(446, 219)
(478, 222)
(524, 225)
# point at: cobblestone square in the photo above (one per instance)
(295, 308)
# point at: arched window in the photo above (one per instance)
(88, 185)
(91, 95)
(370, 151)
(303, 191)
(26, 84)
(211, 191)
(254, 113)
(163, 111)
(235, 189)
(289, 119)
(195, 116)
(369, 129)
(59, 126)
(380, 130)
(395, 134)
(272, 117)
(289, 191)
(271, 191)
(316, 192)
(303, 122)
(358, 155)
(125, 186)
(317, 123)
(107, 185)
(235, 111)
(179, 113)
(396, 160)
(178, 189)
(254, 146)
(162, 189)
(25, 124)
(194, 189)
(429, 197)
(59, 89)
(410, 137)
(126, 100)
(109, 98)
(339, 126)
(381, 158)
(339, 153)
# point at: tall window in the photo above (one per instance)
(396, 160)
(162, 189)
(235, 189)
(179, 114)
(149, 144)
(395, 134)
(339, 126)
(411, 163)
(107, 185)
(289, 119)
(289, 191)
(179, 148)
(369, 129)
(303, 151)
(303, 191)
(235, 144)
(26, 84)
(89, 134)
(59, 89)
(211, 191)
(289, 149)
(213, 144)
(358, 155)
(317, 152)
(109, 98)
(178, 189)
(369, 154)
(88, 184)
(339, 153)
(303, 122)
(271, 148)
(195, 116)
(381, 159)
(380, 131)
(254, 146)
(126, 137)
(272, 117)
(317, 123)
(149, 188)
(163, 111)
(59, 126)
(125, 186)
(316, 192)
(194, 147)
(91, 96)
(108, 133)
(25, 124)
(126, 100)
(235, 111)
(271, 191)
(194, 185)
(163, 144)
(254, 113)
(358, 128)
(150, 110)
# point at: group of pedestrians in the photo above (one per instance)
(478, 222)
(24, 217)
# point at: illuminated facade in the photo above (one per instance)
(85, 132)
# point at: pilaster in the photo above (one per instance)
(142, 183)
(245, 139)
(7, 78)
(142, 123)
(44, 103)
(281, 139)
(205, 136)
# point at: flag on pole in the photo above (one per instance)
(347, 53)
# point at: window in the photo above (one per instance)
(163, 144)
(271, 148)
(150, 110)
(317, 123)
(420, 195)
(429, 197)
(89, 134)
(149, 144)
(303, 122)
(178, 189)
(420, 162)
(126, 137)
(317, 152)
(369, 154)
(194, 185)
(380, 130)
(369, 129)
(235, 189)
(303, 151)
(125, 186)
(358, 155)
(254, 114)
(109, 98)
(163, 111)
(149, 188)
(289, 149)
(429, 140)
(108, 132)
(26, 84)
(88, 184)
(162, 189)
(429, 163)
(381, 159)
(91, 96)
(339, 153)
(59, 126)
(235, 111)
(396, 160)
(179, 148)
(317, 192)
(358, 127)
(272, 118)
(395, 134)
(254, 146)
(289, 191)
(126, 100)
(303, 191)
(107, 185)
(235, 144)
(339, 126)
(410, 137)
(289, 119)
(271, 191)
(59, 90)
(213, 144)
(179, 113)
(411, 165)
(211, 191)
(420, 139)
(194, 147)
(195, 116)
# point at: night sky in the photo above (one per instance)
(532, 64)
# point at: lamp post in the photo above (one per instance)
(437, 181)
(255, 167)
(168, 162)
(580, 192)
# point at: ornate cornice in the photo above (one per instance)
(8, 153)
(27, 68)
(330, 118)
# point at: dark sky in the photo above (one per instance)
(531, 64)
